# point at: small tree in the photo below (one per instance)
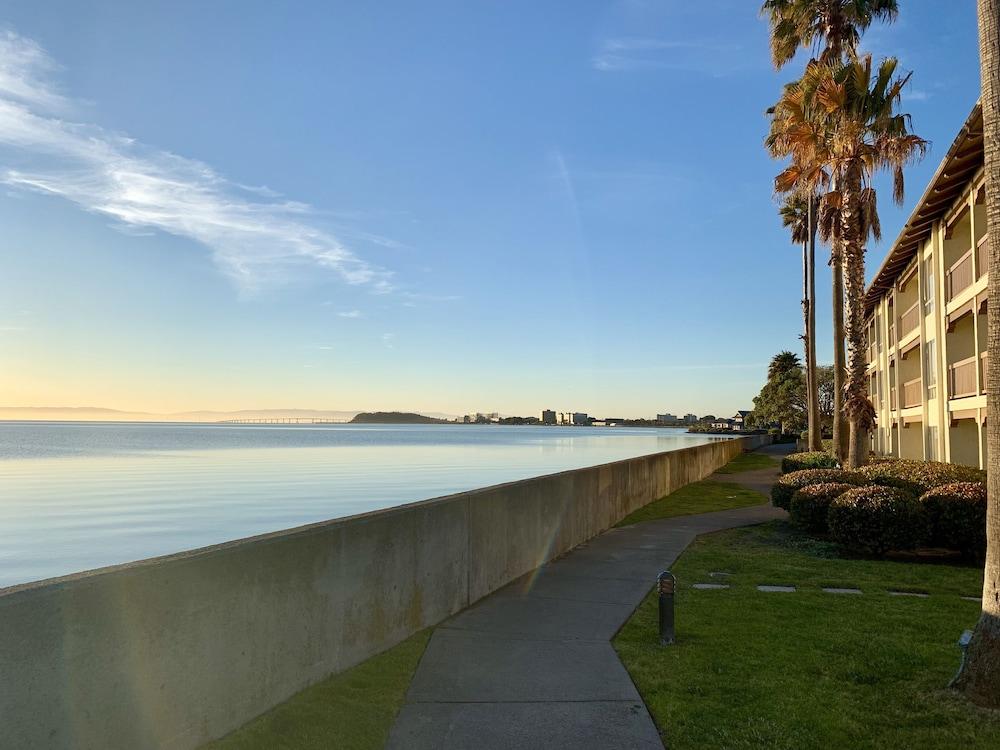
(783, 397)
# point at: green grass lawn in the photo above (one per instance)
(807, 669)
(352, 710)
(749, 462)
(700, 497)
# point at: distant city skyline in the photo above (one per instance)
(232, 206)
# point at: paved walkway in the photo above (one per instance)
(532, 666)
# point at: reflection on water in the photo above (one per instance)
(75, 496)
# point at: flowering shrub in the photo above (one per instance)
(810, 504)
(808, 460)
(957, 514)
(919, 476)
(875, 519)
(787, 484)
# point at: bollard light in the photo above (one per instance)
(665, 586)
(963, 645)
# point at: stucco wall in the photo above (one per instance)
(173, 651)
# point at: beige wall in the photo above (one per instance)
(949, 240)
(171, 652)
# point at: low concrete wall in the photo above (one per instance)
(177, 650)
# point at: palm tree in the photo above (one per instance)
(797, 133)
(797, 215)
(856, 131)
(838, 24)
(978, 678)
(831, 28)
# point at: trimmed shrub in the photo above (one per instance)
(919, 476)
(876, 519)
(957, 514)
(808, 460)
(788, 484)
(810, 504)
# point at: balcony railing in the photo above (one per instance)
(910, 319)
(959, 276)
(982, 257)
(911, 393)
(984, 369)
(892, 336)
(962, 378)
(892, 399)
(873, 353)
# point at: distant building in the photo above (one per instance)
(480, 418)
(547, 416)
(573, 418)
(666, 418)
(690, 419)
(722, 424)
(740, 420)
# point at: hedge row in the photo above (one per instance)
(788, 484)
(808, 460)
(877, 519)
(874, 518)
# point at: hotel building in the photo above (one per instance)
(926, 318)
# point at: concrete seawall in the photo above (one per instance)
(177, 650)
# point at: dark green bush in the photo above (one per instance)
(787, 484)
(957, 514)
(808, 460)
(810, 504)
(919, 476)
(876, 519)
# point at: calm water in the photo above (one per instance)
(76, 496)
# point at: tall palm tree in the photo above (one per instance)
(836, 24)
(856, 131)
(831, 29)
(797, 215)
(979, 676)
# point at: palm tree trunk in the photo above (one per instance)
(857, 406)
(839, 357)
(815, 428)
(980, 675)
(805, 338)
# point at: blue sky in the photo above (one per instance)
(439, 206)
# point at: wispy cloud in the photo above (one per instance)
(253, 235)
(625, 54)
(350, 314)
(389, 339)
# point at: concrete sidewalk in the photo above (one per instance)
(532, 666)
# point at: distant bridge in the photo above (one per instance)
(284, 420)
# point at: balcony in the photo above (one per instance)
(962, 378)
(909, 320)
(892, 336)
(984, 362)
(982, 257)
(892, 399)
(911, 393)
(959, 276)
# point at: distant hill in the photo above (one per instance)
(394, 417)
